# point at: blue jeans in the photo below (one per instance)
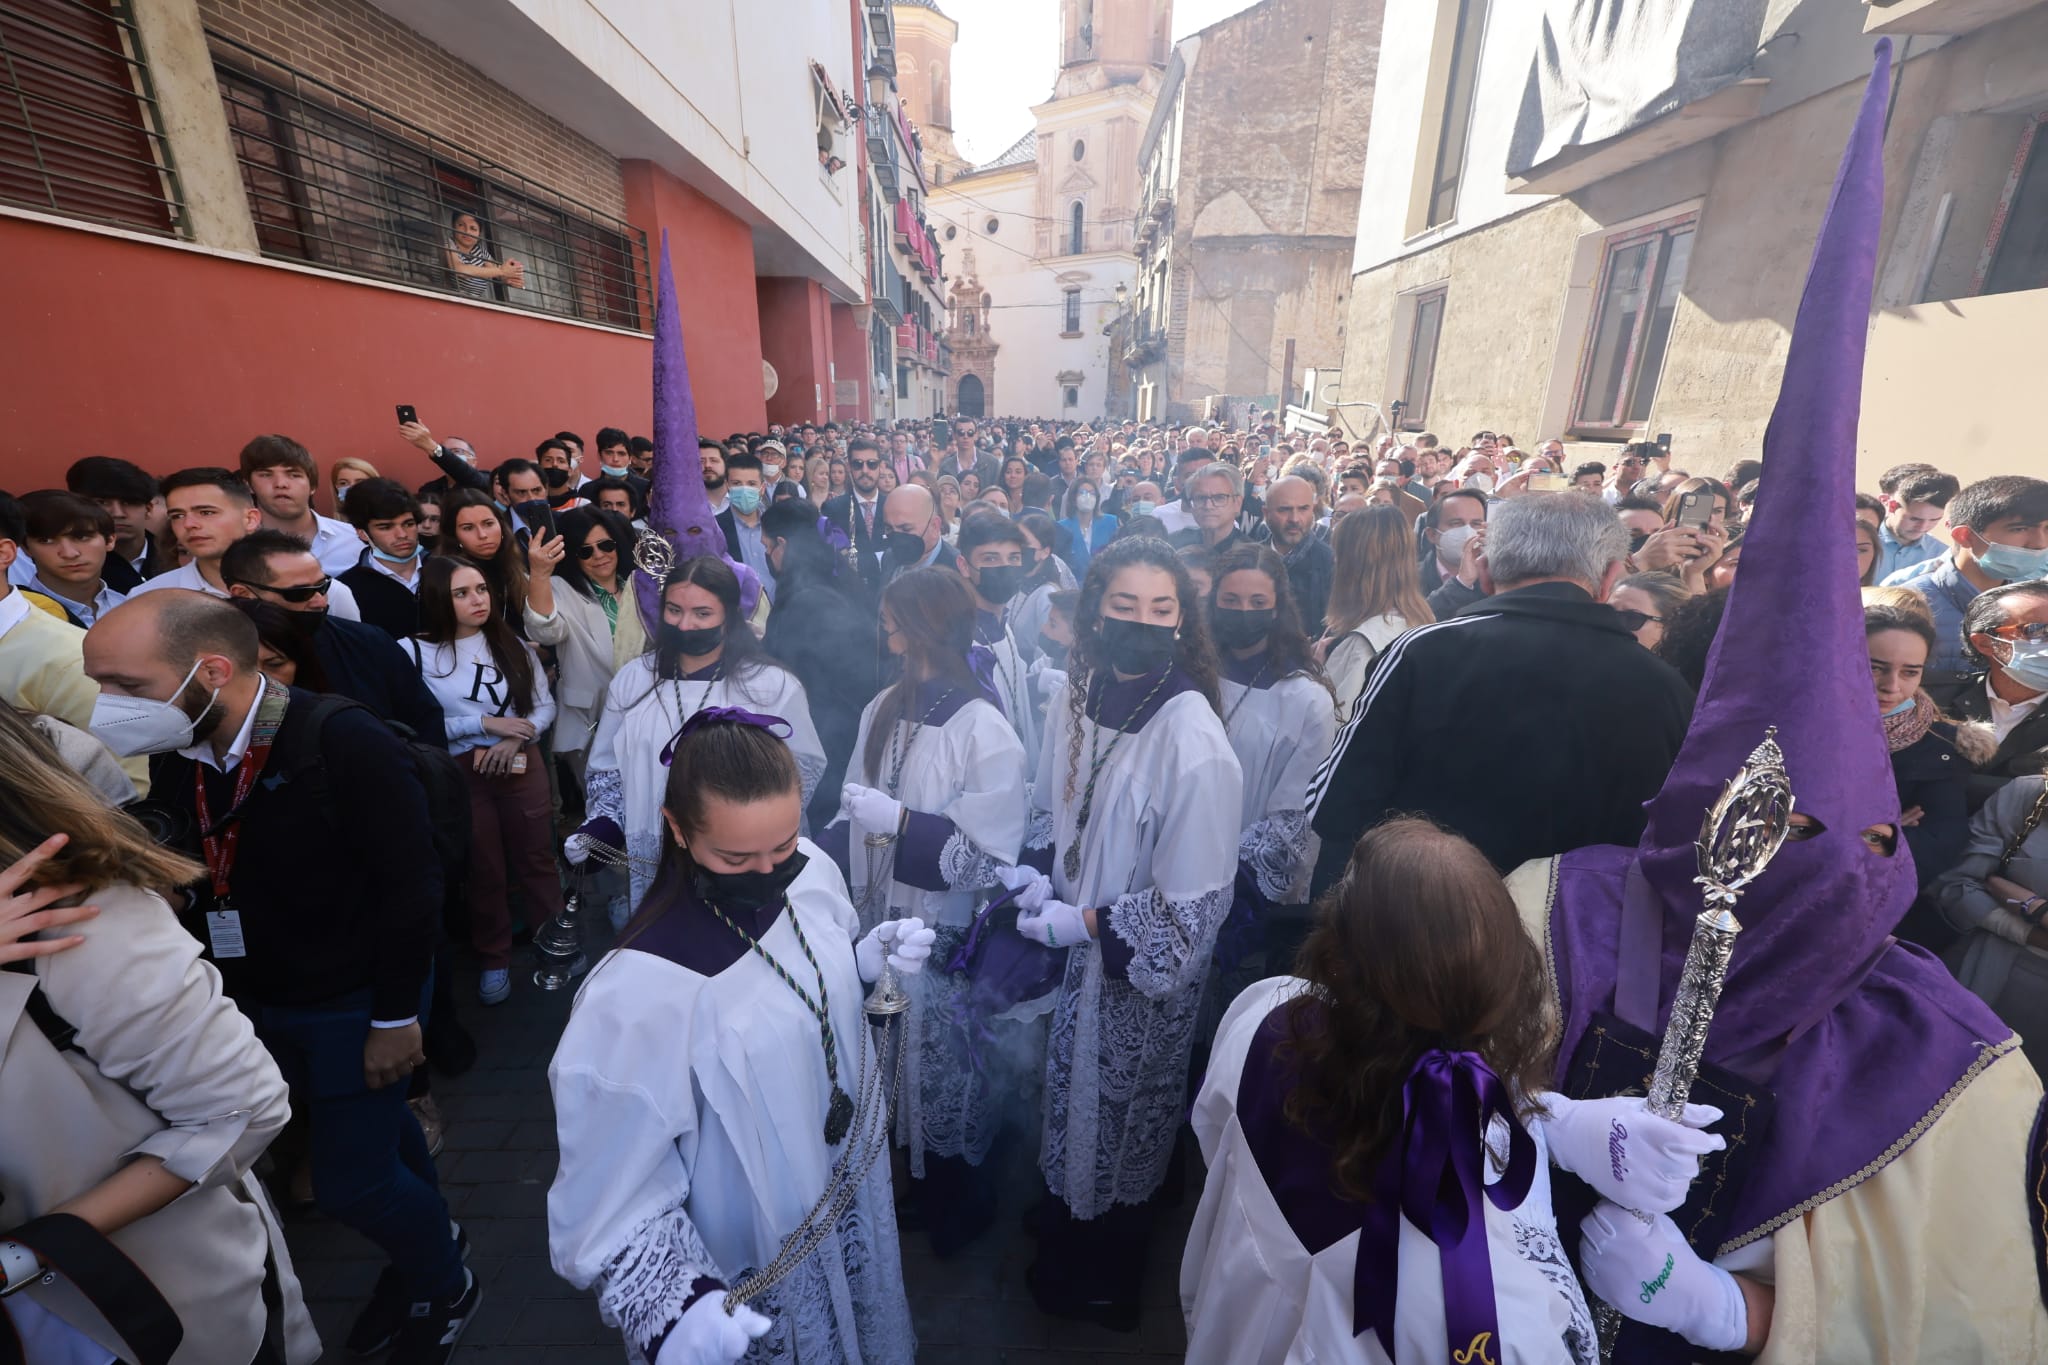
(371, 1170)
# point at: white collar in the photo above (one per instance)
(202, 752)
(413, 583)
(14, 609)
(2001, 707)
(103, 601)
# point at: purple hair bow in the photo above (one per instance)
(1437, 1178)
(725, 715)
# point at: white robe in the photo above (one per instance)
(1280, 733)
(1013, 686)
(626, 779)
(969, 771)
(690, 1112)
(1158, 861)
(1252, 1294)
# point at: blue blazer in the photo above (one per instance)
(1100, 534)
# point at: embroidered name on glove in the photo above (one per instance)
(1617, 1150)
(1651, 1288)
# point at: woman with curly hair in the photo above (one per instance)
(1360, 1119)
(1135, 814)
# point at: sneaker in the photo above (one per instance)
(431, 1329)
(429, 1116)
(377, 1325)
(494, 986)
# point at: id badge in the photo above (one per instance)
(224, 932)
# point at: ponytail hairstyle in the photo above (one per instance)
(934, 613)
(437, 626)
(1193, 653)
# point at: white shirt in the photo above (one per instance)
(103, 601)
(464, 677)
(340, 601)
(411, 585)
(335, 544)
(2006, 715)
(1173, 516)
(202, 752)
(14, 609)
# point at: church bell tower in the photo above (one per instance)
(1106, 43)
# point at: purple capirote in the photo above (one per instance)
(1860, 1037)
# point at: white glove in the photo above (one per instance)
(707, 1335)
(1648, 1272)
(576, 848)
(1050, 680)
(1031, 885)
(1054, 923)
(906, 942)
(1626, 1152)
(876, 810)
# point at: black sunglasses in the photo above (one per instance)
(602, 547)
(865, 464)
(1633, 621)
(305, 594)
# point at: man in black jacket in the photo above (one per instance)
(320, 904)
(362, 662)
(386, 580)
(2012, 706)
(859, 513)
(1531, 723)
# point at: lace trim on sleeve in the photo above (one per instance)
(1170, 940)
(605, 796)
(965, 866)
(1273, 850)
(1039, 834)
(645, 1289)
(809, 768)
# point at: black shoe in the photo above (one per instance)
(377, 1325)
(1113, 1315)
(431, 1329)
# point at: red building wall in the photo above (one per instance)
(796, 338)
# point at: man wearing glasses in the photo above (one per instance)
(859, 511)
(1214, 496)
(2005, 629)
(361, 662)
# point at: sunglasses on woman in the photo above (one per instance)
(592, 548)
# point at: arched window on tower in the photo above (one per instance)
(1076, 230)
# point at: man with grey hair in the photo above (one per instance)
(1213, 495)
(1501, 723)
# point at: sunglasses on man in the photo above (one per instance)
(304, 594)
(865, 464)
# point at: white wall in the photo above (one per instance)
(716, 91)
(1512, 30)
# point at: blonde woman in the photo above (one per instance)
(346, 474)
(1375, 594)
(140, 1098)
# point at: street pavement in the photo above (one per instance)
(498, 1163)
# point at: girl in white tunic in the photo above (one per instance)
(705, 654)
(703, 1086)
(1398, 1088)
(937, 769)
(1136, 812)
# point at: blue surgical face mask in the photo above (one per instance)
(393, 559)
(745, 500)
(1140, 507)
(2028, 665)
(1901, 708)
(2012, 563)
(618, 473)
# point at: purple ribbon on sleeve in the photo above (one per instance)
(981, 660)
(725, 715)
(1437, 1179)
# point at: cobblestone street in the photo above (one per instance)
(500, 1159)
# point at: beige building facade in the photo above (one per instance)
(1251, 170)
(1646, 282)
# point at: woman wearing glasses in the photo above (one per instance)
(581, 623)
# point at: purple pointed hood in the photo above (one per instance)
(678, 509)
(1818, 996)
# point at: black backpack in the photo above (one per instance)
(437, 769)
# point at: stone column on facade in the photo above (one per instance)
(195, 125)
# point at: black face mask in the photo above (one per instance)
(1237, 629)
(904, 548)
(999, 583)
(736, 892)
(555, 478)
(1637, 540)
(1135, 647)
(307, 624)
(694, 643)
(1052, 649)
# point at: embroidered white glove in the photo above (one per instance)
(906, 942)
(1648, 1272)
(1031, 885)
(876, 810)
(1054, 923)
(707, 1335)
(1626, 1152)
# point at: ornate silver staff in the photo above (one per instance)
(1740, 834)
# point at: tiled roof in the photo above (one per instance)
(1022, 152)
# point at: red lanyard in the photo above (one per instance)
(220, 846)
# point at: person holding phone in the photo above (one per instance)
(495, 697)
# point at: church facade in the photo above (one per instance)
(1039, 240)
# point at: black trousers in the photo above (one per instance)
(1094, 1260)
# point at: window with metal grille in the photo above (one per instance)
(1640, 283)
(342, 184)
(79, 133)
